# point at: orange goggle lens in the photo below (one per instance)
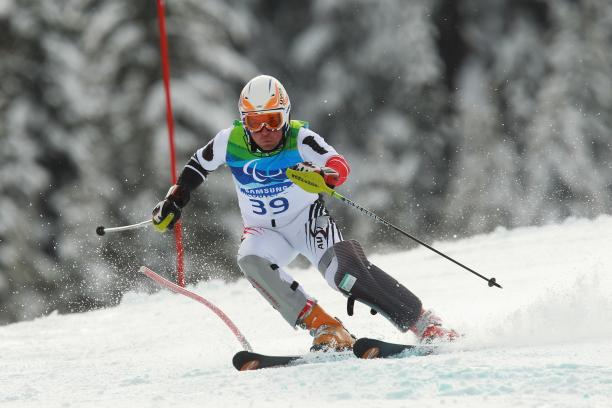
(256, 121)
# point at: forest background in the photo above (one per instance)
(458, 117)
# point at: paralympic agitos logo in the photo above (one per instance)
(263, 175)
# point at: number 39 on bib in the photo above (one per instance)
(275, 206)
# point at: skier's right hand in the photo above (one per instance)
(165, 214)
(330, 175)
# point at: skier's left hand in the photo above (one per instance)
(330, 175)
(165, 214)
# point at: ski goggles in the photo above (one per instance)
(272, 120)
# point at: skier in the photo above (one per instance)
(282, 220)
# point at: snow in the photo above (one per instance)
(542, 340)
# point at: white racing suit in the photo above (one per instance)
(282, 220)
(264, 252)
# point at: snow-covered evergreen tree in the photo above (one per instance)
(544, 152)
(455, 116)
(364, 74)
(86, 143)
(493, 103)
(484, 189)
(568, 144)
(32, 123)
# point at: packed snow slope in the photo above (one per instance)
(543, 340)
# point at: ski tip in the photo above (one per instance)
(366, 348)
(372, 352)
(247, 361)
(243, 361)
(373, 348)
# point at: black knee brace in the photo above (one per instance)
(360, 280)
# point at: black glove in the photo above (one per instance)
(165, 214)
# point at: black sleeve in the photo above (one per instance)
(188, 181)
(191, 179)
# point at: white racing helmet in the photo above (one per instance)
(264, 102)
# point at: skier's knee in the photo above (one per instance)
(253, 264)
(261, 273)
(347, 269)
(282, 292)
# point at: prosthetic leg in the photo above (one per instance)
(346, 268)
(346, 265)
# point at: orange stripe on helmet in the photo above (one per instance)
(273, 102)
(246, 105)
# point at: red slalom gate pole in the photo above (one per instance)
(163, 45)
(177, 289)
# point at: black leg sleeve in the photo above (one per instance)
(356, 277)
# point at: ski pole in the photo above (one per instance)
(313, 183)
(101, 230)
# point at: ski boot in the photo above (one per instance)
(429, 329)
(328, 332)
